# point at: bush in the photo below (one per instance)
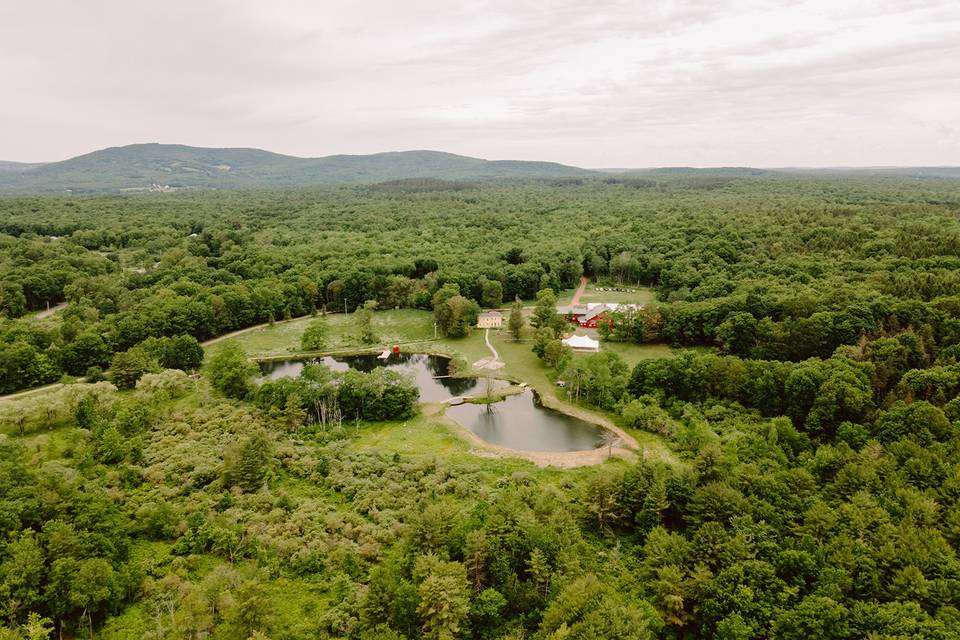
(315, 336)
(230, 371)
(127, 367)
(169, 383)
(94, 374)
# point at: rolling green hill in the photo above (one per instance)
(159, 166)
(819, 172)
(17, 167)
(726, 172)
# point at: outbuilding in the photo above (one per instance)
(490, 320)
(591, 314)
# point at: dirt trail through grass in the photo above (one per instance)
(579, 292)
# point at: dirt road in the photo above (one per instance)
(46, 313)
(234, 334)
(579, 292)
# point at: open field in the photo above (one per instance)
(633, 295)
(392, 327)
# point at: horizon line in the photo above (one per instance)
(507, 159)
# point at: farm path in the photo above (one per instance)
(575, 300)
(46, 313)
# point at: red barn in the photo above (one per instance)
(591, 314)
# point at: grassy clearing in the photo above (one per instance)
(295, 605)
(392, 327)
(636, 295)
(633, 353)
(421, 435)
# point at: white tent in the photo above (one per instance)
(582, 343)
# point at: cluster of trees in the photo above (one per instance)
(318, 395)
(327, 398)
(818, 499)
(151, 356)
(454, 314)
(65, 561)
(771, 533)
(32, 355)
(749, 327)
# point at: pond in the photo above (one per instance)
(427, 371)
(522, 422)
(518, 422)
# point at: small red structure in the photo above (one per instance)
(396, 348)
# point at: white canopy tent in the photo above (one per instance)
(582, 343)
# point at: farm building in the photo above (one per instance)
(590, 314)
(582, 343)
(490, 320)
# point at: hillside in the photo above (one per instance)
(145, 166)
(819, 172)
(17, 167)
(726, 172)
(898, 172)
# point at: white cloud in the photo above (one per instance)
(605, 83)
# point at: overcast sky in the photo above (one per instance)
(587, 82)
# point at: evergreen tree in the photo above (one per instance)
(515, 321)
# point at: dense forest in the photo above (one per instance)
(814, 421)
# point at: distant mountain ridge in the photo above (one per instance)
(6, 166)
(753, 172)
(164, 167)
(141, 167)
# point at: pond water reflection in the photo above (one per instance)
(518, 422)
(428, 371)
(522, 422)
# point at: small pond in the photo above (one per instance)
(428, 372)
(522, 422)
(518, 422)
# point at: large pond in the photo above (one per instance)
(522, 422)
(518, 422)
(431, 373)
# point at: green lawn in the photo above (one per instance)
(392, 327)
(425, 434)
(632, 353)
(633, 295)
